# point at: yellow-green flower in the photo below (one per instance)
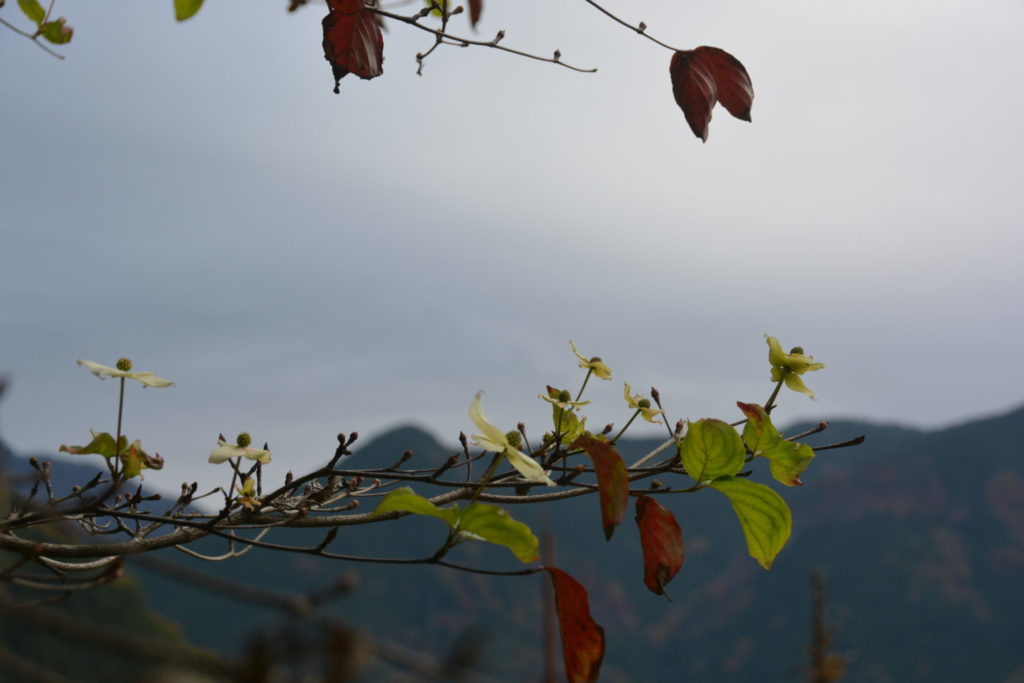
(147, 378)
(247, 494)
(788, 367)
(493, 439)
(642, 404)
(227, 451)
(595, 364)
(562, 399)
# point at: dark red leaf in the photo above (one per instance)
(735, 91)
(476, 8)
(707, 75)
(582, 637)
(662, 542)
(694, 89)
(353, 42)
(612, 480)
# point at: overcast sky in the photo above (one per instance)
(301, 263)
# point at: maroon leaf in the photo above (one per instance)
(735, 91)
(476, 8)
(582, 637)
(707, 75)
(662, 542)
(353, 42)
(612, 480)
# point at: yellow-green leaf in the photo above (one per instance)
(763, 514)
(493, 524)
(711, 449)
(33, 10)
(758, 433)
(405, 500)
(788, 461)
(101, 444)
(186, 9)
(57, 32)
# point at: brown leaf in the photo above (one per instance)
(582, 637)
(476, 8)
(353, 42)
(704, 76)
(612, 480)
(662, 542)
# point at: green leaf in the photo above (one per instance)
(186, 9)
(788, 461)
(134, 460)
(711, 449)
(763, 514)
(492, 524)
(405, 500)
(101, 444)
(567, 424)
(440, 3)
(33, 10)
(56, 32)
(759, 433)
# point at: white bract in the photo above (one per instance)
(493, 439)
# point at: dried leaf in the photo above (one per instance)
(582, 637)
(353, 42)
(662, 543)
(612, 480)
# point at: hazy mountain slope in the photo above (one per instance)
(920, 537)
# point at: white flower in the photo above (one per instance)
(228, 451)
(493, 439)
(147, 378)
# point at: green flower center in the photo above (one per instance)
(643, 403)
(243, 440)
(564, 395)
(514, 439)
(124, 364)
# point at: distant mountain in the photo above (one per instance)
(919, 537)
(44, 642)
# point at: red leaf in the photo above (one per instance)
(735, 91)
(707, 75)
(353, 42)
(476, 8)
(694, 89)
(662, 542)
(582, 637)
(612, 480)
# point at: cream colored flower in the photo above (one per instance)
(493, 439)
(642, 404)
(241, 449)
(562, 399)
(595, 364)
(147, 378)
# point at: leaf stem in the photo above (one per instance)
(775, 392)
(640, 28)
(590, 371)
(625, 427)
